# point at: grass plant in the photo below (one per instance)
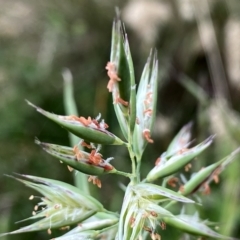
(147, 208)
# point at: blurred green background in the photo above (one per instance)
(199, 64)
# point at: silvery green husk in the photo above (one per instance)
(122, 80)
(202, 178)
(166, 167)
(87, 129)
(180, 141)
(94, 223)
(140, 209)
(81, 160)
(193, 225)
(62, 204)
(142, 216)
(106, 224)
(146, 105)
(128, 199)
(84, 235)
(157, 193)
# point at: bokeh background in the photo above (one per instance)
(199, 64)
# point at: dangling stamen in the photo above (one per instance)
(158, 160)
(146, 135)
(112, 73)
(187, 167)
(84, 144)
(121, 101)
(95, 181)
(148, 112)
(172, 181)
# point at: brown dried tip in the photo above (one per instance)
(146, 135)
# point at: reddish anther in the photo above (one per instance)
(183, 150)
(172, 181)
(181, 189)
(154, 214)
(112, 74)
(158, 160)
(163, 225)
(107, 167)
(137, 121)
(146, 135)
(215, 175)
(121, 101)
(207, 189)
(148, 112)
(84, 144)
(187, 167)
(132, 221)
(95, 158)
(85, 121)
(78, 153)
(95, 181)
(148, 229)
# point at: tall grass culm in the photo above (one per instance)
(147, 208)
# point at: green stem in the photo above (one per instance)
(134, 178)
(132, 157)
(110, 213)
(129, 175)
(108, 228)
(170, 204)
(80, 179)
(138, 169)
(144, 180)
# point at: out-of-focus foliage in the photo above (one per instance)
(198, 45)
